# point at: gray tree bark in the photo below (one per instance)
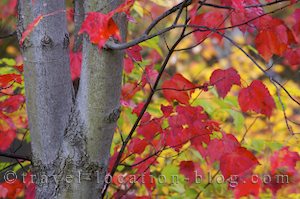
(70, 138)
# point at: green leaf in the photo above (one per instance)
(274, 145)
(9, 62)
(190, 193)
(153, 43)
(169, 173)
(206, 105)
(258, 145)
(178, 187)
(238, 119)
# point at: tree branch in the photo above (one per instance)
(78, 19)
(8, 35)
(15, 156)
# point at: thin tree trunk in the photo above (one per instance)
(48, 86)
(78, 19)
(71, 139)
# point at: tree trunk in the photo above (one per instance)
(71, 138)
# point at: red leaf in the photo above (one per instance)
(75, 64)
(275, 183)
(189, 169)
(154, 56)
(137, 145)
(268, 43)
(238, 162)
(134, 53)
(12, 104)
(138, 108)
(284, 161)
(149, 181)
(100, 27)
(292, 58)
(129, 90)
(30, 28)
(256, 97)
(149, 75)
(112, 159)
(125, 7)
(6, 138)
(174, 138)
(167, 110)
(3, 191)
(242, 15)
(8, 8)
(7, 79)
(149, 128)
(273, 38)
(248, 187)
(29, 186)
(175, 89)
(143, 164)
(128, 65)
(13, 189)
(8, 120)
(209, 19)
(296, 26)
(20, 68)
(224, 80)
(216, 148)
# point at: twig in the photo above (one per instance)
(15, 156)
(8, 35)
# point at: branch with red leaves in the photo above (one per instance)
(111, 44)
(148, 101)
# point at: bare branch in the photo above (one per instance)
(8, 35)
(15, 156)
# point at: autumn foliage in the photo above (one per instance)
(228, 106)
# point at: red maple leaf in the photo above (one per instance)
(256, 97)
(208, 19)
(238, 162)
(128, 65)
(8, 8)
(177, 88)
(29, 186)
(296, 26)
(249, 186)
(6, 138)
(149, 128)
(12, 103)
(167, 110)
(100, 27)
(217, 147)
(11, 190)
(142, 164)
(149, 75)
(134, 53)
(190, 169)
(7, 79)
(128, 91)
(292, 58)
(284, 161)
(137, 145)
(224, 80)
(75, 64)
(273, 38)
(242, 16)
